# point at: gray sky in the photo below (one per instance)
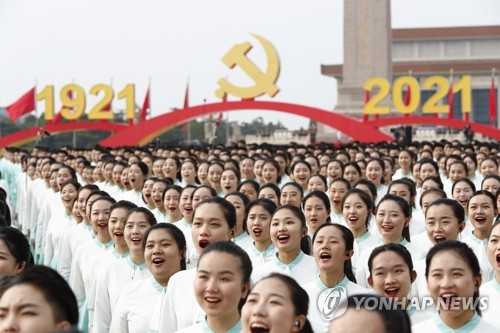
(94, 41)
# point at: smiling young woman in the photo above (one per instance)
(453, 278)
(276, 304)
(165, 253)
(214, 220)
(221, 285)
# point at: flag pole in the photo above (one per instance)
(494, 99)
(227, 128)
(150, 108)
(36, 106)
(188, 123)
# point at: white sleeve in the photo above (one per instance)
(362, 269)
(119, 322)
(102, 304)
(164, 319)
(76, 283)
(49, 246)
(65, 254)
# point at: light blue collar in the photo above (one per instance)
(468, 327)
(410, 311)
(264, 253)
(477, 240)
(363, 237)
(237, 328)
(103, 245)
(133, 265)
(241, 236)
(116, 254)
(322, 286)
(156, 285)
(291, 265)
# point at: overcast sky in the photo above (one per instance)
(96, 41)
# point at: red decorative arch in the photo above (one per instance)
(488, 131)
(22, 137)
(145, 132)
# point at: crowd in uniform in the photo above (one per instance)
(253, 238)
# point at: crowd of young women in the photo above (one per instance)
(252, 238)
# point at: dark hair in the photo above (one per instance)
(90, 187)
(102, 198)
(464, 252)
(188, 187)
(143, 166)
(240, 195)
(272, 186)
(225, 206)
(405, 207)
(72, 171)
(267, 204)
(55, 290)
(458, 210)
(410, 185)
(300, 299)
(234, 250)
(435, 179)
(354, 165)
(365, 198)
(176, 234)
(123, 204)
(178, 165)
(339, 162)
(371, 187)
(251, 182)
(73, 182)
(382, 165)
(275, 165)
(462, 163)
(396, 248)
(489, 195)
(150, 218)
(322, 178)
(294, 164)
(305, 245)
(297, 186)
(431, 162)
(236, 173)
(497, 178)
(464, 180)
(348, 238)
(395, 319)
(323, 197)
(432, 190)
(341, 180)
(213, 192)
(171, 187)
(17, 244)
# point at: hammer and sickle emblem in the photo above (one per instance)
(264, 81)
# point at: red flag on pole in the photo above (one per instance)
(407, 100)
(145, 107)
(450, 102)
(186, 97)
(367, 98)
(219, 119)
(186, 105)
(450, 96)
(25, 104)
(493, 102)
